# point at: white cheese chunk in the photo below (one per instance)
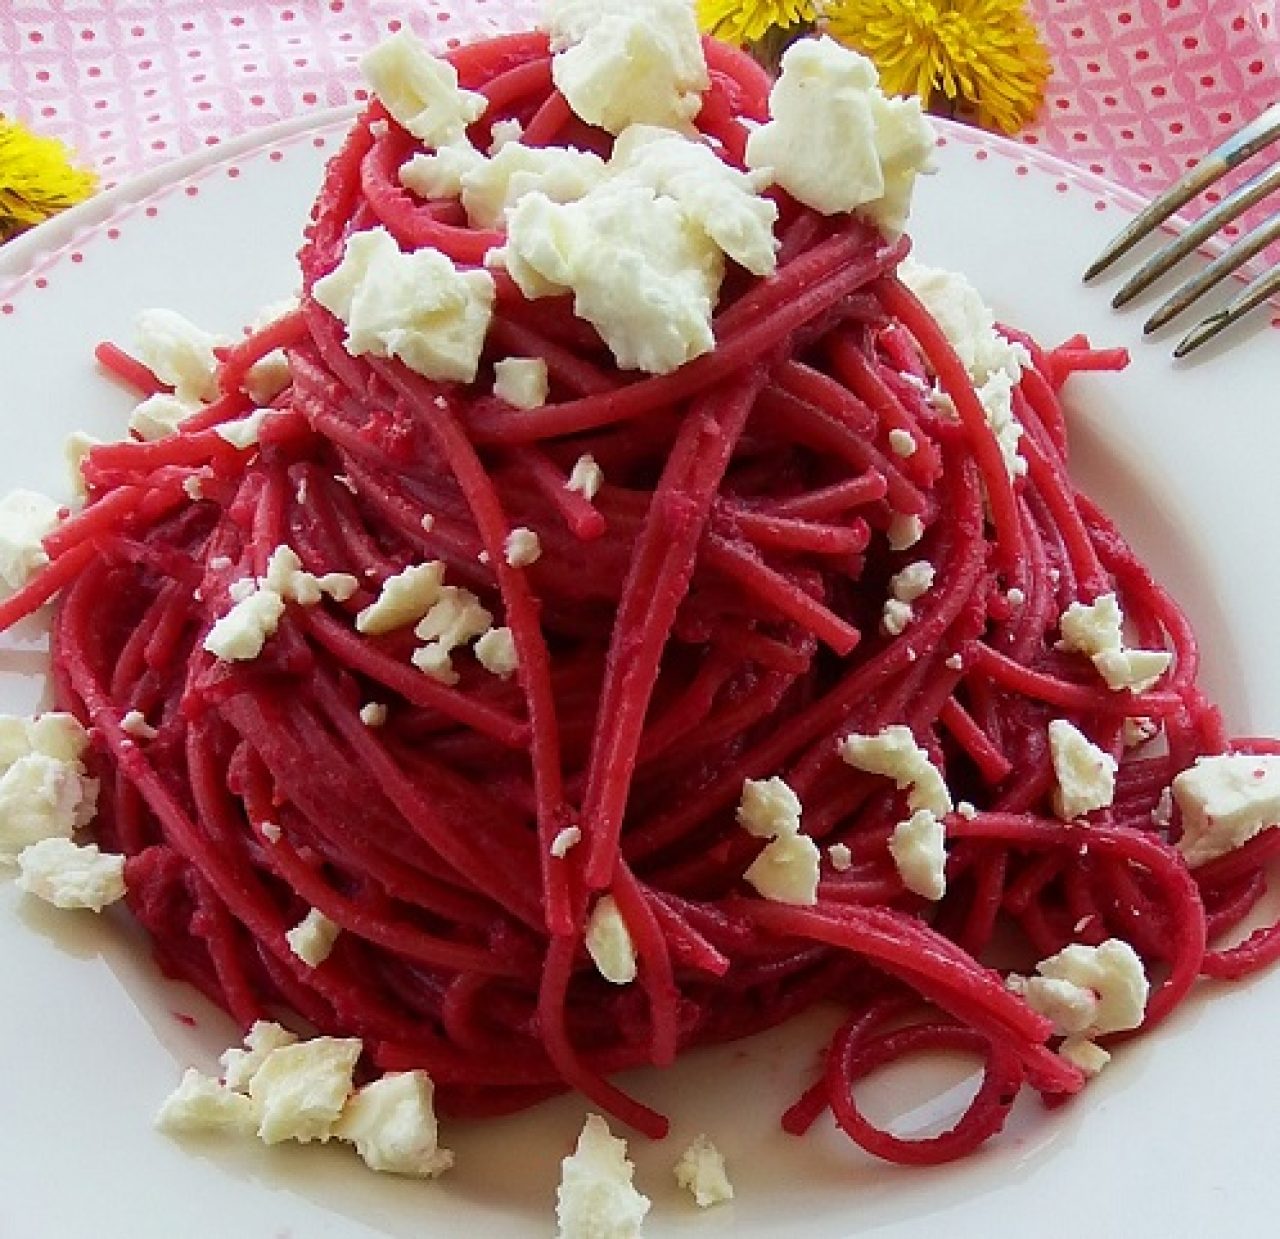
(134, 723)
(787, 871)
(496, 652)
(201, 1104)
(489, 187)
(1089, 990)
(1224, 802)
(902, 443)
(417, 307)
(521, 381)
(1086, 774)
(835, 141)
(300, 1089)
(1096, 630)
(1083, 1053)
(918, 848)
(894, 753)
(268, 376)
(179, 354)
(69, 876)
(434, 660)
(240, 634)
(26, 517)
(240, 1066)
(904, 531)
(996, 397)
(287, 577)
(914, 581)
(392, 1123)
(455, 618)
(841, 857)
(243, 432)
(609, 942)
(596, 1198)
(373, 714)
(41, 797)
(895, 616)
(522, 547)
(54, 734)
(701, 1172)
(625, 62)
(769, 808)
(312, 939)
(159, 416)
(76, 451)
(403, 599)
(503, 133)
(421, 90)
(440, 174)
(586, 478)
(565, 840)
(1134, 670)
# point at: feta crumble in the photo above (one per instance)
(841, 857)
(300, 1089)
(76, 451)
(159, 416)
(521, 381)
(769, 808)
(586, 477)
(1086, 774)
(403, 599)
(417, 307)
(244, 432)
(179, 354)
(836, 142)
(421, 90)
(1087, 990)
(609, 942)
(787, 871)
(239, 1066)
(240, 634)
(894, 753)
(68, 876)
(564, 841)
(902, 443)
(496, 652)
(522, 547)
(201, 1104)
(1096, 630)
(918, 848)
(596, 1198)
(312, 939)
(373, 714)
(392, 1124)
(701, 1172)
(1224, 802)
(26, 518)
(904, 531)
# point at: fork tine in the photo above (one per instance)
(1235, 204)
(1230, 154)
(1247, 247)
(1260, 290)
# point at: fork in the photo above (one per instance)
(1240, 147)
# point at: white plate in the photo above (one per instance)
(1177, 1137)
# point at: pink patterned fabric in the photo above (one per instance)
(1140, 89)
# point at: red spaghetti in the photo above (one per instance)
(713, 616)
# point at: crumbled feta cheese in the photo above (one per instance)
(392, 1123)
(220, 563)
(25, 519)
(1139, 731)
(596, 1198)
(159, 416)
(1224, 802)
(489, 187)
(836, 142)
(76, 451)
(179, 354)
(503, 133)
(1083, 1053)
(68, 876)
(300, 1089)
(286, 576)
(954, 662)
(895, 616)
(201, 1104)
(996, 397)
(566, 839)
(918, 848)
(193, 487)
(244, 588)
(244, 432)
(967, 810)
(769, 808)
(625, 62)
(914, 581)
(496, 652)
(373, 714)
(440, 174)
(240, 1066)
(904, 531)
(418, 307)
(701, 1172)
(403, 599)
(240, 634)
(420, 90)
(312, 939)
(521, 381)
(134, 723)
(428, 522)
(1135, 670)
(1096, 630)
(787, 871)
(433, 660)
(967, 322)
(642, 272)
(522, 547)
(455, 618)
(41, 797)
(271, 832)
(1086, 774)
(841, 857)
(902, 443)
(1089, 990)
(1015, 597)
(893, 752)
(609, 942)
(268, 376)
(53, 734)
(586, 477)
(726, 204)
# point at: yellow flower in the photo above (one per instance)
(741, 22)
(37, 179)
(982, 55)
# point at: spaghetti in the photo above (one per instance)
(711, 616)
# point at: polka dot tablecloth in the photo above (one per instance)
(1140, 88)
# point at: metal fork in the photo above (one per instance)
(1240, 147)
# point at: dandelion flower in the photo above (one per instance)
(37, 179)
(743, 22)
(984, 56)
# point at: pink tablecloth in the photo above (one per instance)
(1141, 87)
